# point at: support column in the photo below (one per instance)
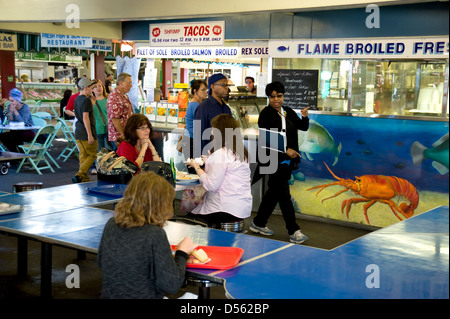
(184, 75)
(166, 78)
(7, 72)
(100, 67)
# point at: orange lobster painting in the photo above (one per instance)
(376, 188)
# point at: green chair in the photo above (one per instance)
(71, 147)
(40, 150)
(43, 115)
(38, 121)
(36, 106)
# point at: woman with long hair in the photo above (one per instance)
(226, 177)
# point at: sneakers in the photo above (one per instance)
(76, 179)
(297, 237)
(261, 230)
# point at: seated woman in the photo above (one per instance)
(134, 253)
(17, 112)
(226, 177)
(137, 146)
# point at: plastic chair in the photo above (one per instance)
(41, 149)
(71, 147)
(38, 121)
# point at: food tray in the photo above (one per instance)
(10, 209)
(113, 190)
(221, 257)
(194, 179)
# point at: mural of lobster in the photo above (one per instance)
(375, 188)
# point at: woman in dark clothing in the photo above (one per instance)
(281, 119)
(63, 103)
(134, 254)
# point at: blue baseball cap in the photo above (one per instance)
(214, 78)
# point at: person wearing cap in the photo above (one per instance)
(208, 109)
(85, 132)
(17, 112)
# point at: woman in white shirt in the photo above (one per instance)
(226, 176)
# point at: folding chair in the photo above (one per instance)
(43, 115)
(38, 121)
(36, 106)
(71, 147)
(40, 149)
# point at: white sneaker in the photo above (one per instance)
(261, 230)
(298, 237)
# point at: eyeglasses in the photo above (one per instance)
(222, 85)
(280, 96)
(248, 82)
(143, 128)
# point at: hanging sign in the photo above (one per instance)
(49, 40)
(101, 45)
(400, 48)
(187, 34)
(187, 53)
(8, 42)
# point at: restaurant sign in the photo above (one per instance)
(394, 48)
(49, 40)
(187, 34)
(8, 42)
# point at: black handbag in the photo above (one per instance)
(113, 168)
(161, 168)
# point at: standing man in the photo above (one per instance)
(209, 108)
(85, 132)
(119, 108)
(250, 83)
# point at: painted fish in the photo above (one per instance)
(282, 48)
(318, 140)
(438, 154)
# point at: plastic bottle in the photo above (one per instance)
(174, 173)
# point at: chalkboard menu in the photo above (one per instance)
(301, 87)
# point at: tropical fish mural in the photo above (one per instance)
(438, 154)
(375, 188)
(318, 140)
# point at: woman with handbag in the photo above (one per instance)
(136, 146)
(101, 116)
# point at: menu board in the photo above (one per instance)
(301, 87)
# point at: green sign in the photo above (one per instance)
(40, 56)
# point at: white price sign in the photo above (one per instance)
(187, 34)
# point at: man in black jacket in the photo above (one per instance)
(282, 119)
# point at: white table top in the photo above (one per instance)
(18, 128)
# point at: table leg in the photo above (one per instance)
(22, 257)
(46, 270)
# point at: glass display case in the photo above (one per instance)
(246, 109)
(46, 92)
(384, 87)
(398, 87)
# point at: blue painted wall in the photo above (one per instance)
(403, 20)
